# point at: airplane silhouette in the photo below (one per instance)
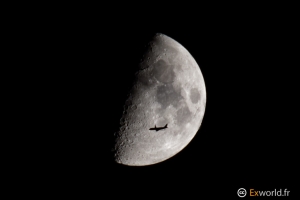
(159, 128)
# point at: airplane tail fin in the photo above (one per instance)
(166, 126)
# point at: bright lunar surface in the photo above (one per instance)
(168, 89)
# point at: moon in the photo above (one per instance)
(168, 89)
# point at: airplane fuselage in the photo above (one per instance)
(156, 129)
(159, 128)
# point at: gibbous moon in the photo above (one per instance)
(168, 89)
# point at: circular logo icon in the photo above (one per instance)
(241, 192)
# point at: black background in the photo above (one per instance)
(85, 61)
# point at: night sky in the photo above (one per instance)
(247, 137)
